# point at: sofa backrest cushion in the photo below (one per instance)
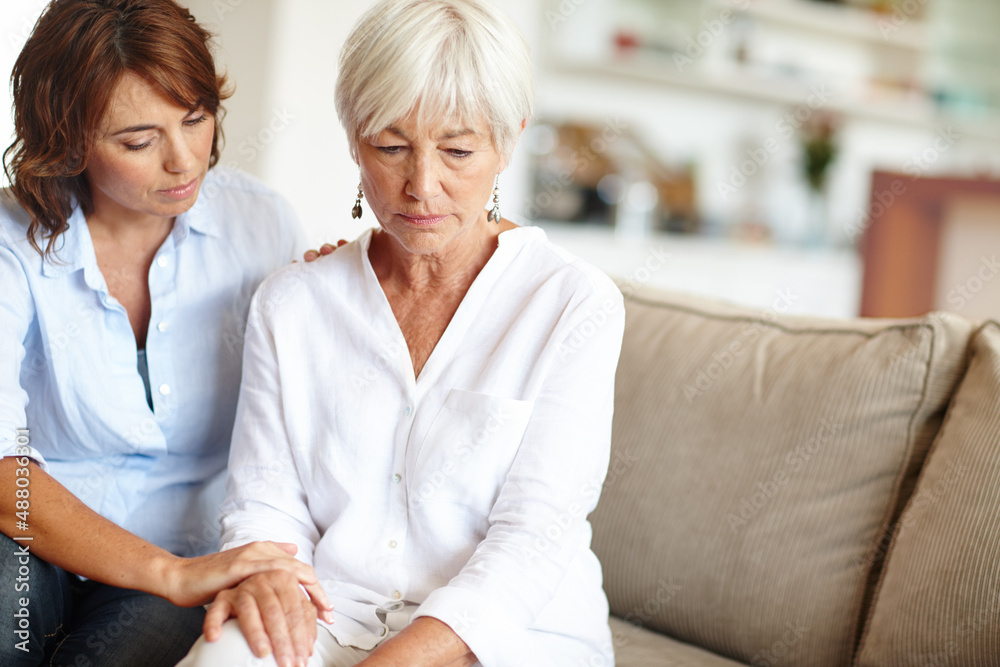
(757, 459)
(939, 599)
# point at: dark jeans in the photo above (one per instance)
(67, 622)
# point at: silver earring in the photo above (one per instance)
(495, 213)
(356, 213)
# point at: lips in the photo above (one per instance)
(423, 220)
(181, 191)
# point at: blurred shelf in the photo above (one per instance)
(838, 20)
(745, 84)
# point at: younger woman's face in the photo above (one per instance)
(150, 156)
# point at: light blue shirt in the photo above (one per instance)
(68, 373)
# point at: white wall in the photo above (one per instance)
(17, 17)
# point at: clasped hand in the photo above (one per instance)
(275, 597)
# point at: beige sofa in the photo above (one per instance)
(799, 491)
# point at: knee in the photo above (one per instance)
(229, 649)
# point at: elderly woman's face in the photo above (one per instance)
(428, 185)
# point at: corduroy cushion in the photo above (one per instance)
(939, 599)
(757, 459)
(636, 647)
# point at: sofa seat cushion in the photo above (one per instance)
(939, 599)
(757, 461)
(638, 647)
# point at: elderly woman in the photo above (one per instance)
(434, 439)
(121, 330)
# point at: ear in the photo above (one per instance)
(504, 160)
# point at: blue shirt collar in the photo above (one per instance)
(75, 250)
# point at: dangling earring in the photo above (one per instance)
(356, 213)
(495, 213)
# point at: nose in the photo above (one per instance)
(179, 158)
(423, 180)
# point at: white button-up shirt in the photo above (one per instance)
(462, 494)
(68, 360)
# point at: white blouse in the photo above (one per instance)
(461, 494)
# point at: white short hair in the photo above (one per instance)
(440, 58)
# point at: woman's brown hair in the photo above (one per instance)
(62, 84)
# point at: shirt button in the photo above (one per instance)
(162, 327)
(165, 389)
(397, 478)
(396, 595)
(162, 261)
(392, 544)
(407, 411)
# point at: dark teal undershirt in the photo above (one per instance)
(144, 374)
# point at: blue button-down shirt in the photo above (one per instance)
(68, 374)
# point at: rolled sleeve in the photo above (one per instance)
(17, 311)
(538, 525)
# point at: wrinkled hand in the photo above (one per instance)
(274, 614)
(325, 249)
(188, 582)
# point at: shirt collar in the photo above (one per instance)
(199, 217)
(75, 249)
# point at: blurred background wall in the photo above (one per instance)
(740, 139)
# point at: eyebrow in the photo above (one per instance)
(143, 128)
(134, 128)
(454, 134)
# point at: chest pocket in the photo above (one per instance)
(469, 449)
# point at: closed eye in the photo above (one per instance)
(137, 147)
(390, 150)
(454, 152)
(194, 121)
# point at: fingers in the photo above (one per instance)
(300, 621)
(325, 249)
(319, 601)
(274, 615)
(248, 613)
(218, 613)
(287, 547)
(287, 621)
